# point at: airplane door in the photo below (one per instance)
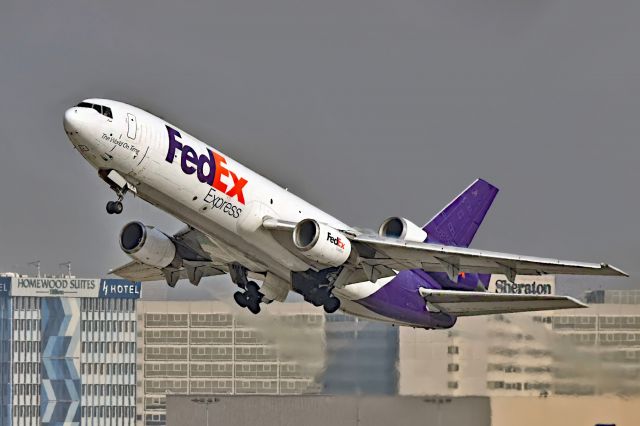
(132, 124)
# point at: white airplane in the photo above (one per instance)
(240, 223)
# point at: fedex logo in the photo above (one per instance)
(191, 163)
(335, 240)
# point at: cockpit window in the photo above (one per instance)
(106, 111)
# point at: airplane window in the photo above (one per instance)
(106, 111)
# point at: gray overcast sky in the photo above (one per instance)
(366, 108)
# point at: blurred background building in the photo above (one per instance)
(211, 348)
(87, 351)
(591, 351)
(361, 357)
(68, 350)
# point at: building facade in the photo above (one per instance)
(323, 410)
(361, 357)
(591, 351)
(208, 347)
(68, 351)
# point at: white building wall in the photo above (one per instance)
(211, 348)
(573, 352)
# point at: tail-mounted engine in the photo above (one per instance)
(147, 245)
(321, 243)
(402, 229)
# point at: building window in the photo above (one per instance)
(453, 367)
(453, 350)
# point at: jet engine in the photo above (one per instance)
(402, 229)
(321, 243)
(147, 245)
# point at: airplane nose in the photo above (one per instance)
(79, 123)
(71, 120)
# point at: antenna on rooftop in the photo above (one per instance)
(68, 265)
(35, 263)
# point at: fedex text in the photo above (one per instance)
(210, 168)
(335, 240)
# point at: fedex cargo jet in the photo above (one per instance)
(240, 223)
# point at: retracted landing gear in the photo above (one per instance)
(250, 298)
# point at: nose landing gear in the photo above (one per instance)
(119, 185)
(114, 207)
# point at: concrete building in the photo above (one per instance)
(210, 347)
(322, 410)
(361, 357)
(598, 350)
(588, 351)
(486, 355)
(68, 351)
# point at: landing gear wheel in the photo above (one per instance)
(316, 297)
(240, 299)
(250, 298)
(253, 288)
(331, 305)
(254, 306)
(114, 207)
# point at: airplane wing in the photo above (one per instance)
(469, 303)
(399, 254)
(378, 255)
(138, 271)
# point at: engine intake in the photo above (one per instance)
(321, 243)
(402, 229)
(146, 244)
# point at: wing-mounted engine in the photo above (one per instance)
(402, 229)
(321, 243)
(148, 245)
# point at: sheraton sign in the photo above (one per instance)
(524, 284)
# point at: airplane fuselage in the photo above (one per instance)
(213, 193)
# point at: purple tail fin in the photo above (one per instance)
(456, 224)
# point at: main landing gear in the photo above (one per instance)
(317, 286)
(251, 297)
(321, 296)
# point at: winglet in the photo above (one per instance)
(616, 271)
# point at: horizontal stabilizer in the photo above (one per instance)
(468, 303)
